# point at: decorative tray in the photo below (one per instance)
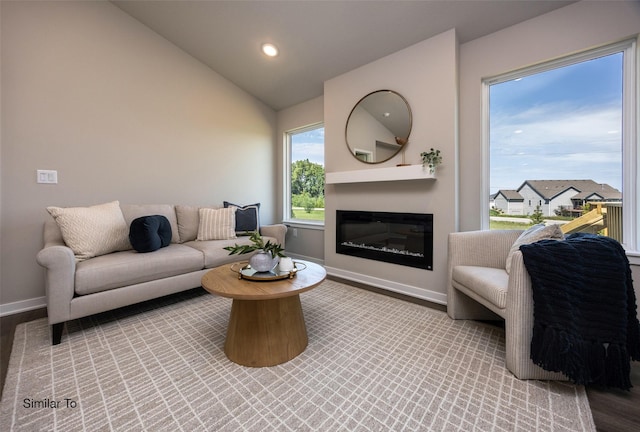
(244, 271)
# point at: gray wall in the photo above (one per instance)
(425, 74)
(122, 114)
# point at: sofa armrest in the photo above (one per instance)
(60, 268)
(278, 231)
(52, 235)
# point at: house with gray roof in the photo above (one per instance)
(552, 195)
(509, 201)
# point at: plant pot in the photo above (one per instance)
(262, 261)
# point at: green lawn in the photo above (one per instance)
(503, 225)
(315, 215)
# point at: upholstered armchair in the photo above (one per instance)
(480, 288)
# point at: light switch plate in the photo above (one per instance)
(47, 176)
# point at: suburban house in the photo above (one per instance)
(121, 101)
(509, 201)
(552, 196)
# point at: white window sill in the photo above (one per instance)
(634, 258)
(293, 223)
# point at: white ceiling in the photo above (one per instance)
(318, 40)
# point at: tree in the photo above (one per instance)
(307, 177)
(537, 216)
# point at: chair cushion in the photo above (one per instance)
(150, 233)
(489, 283)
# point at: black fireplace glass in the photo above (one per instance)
(398, 238)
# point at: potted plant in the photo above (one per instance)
(432, 159)
(266, 256)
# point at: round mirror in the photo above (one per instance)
(378, 126)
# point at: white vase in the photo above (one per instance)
(262, 261)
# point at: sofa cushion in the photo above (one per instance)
(535, 233)
(247, 217)
(188, 221)
(150, 233)
(217, 224)
(134, 211)
(129, 267)
(92, 231)
(215, 255)
(489, 283)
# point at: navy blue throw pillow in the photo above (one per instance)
(150, 233)
(247, 217)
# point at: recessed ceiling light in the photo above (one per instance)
(269, 50)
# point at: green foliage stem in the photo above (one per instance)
(258, 244)
(432, 158)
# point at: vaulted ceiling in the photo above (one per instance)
(318, 40)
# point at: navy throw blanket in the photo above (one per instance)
(585, 322)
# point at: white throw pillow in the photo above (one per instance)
(92, 231)
(217, 224)
(532, 235)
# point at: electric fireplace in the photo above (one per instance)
(398, 238)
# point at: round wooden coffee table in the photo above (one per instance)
(266, 326)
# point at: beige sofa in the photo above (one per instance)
(79, 288)
(480, 288)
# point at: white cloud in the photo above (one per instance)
(312, 151)
(556, 141)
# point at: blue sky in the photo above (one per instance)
(561, 124)
(308, 145)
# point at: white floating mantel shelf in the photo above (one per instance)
(397, 173)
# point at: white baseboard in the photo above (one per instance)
(307, 258)
(412, 291)
(22, 306)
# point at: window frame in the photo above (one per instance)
(630, 153)
(286, 184)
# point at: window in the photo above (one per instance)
(304, 185)
(561, 144)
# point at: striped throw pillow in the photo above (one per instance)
(217, 224)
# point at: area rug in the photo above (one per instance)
(373, 363)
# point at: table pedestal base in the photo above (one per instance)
(265, 332)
